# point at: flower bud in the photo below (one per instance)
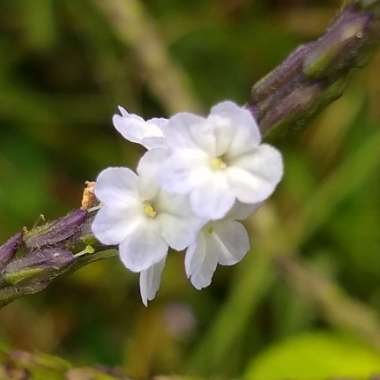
(57, 232)
(43, 266)
(9, 249)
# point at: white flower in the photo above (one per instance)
(223, 242)
(143, 220)
(135, 129)
(197, 179)
(218, 160)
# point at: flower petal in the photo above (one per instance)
(116, 187)
(159, 122)
(150, 163)
(179, 226)
(148, 188)
(150, 281)
(231, 241)
(132, 127)
(123, 111)
(184, 170)
(179, 233)
(180, 130)
(135, 129)
(200, 263)
(225, 242)
(155, 139)
(212, 199)
(241, 211)
(246, 131)
(254, 176)
(111, 226)
(224, 132)
(143, 246)
(153, 142)
(149, 168)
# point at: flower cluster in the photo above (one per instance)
(198, 178)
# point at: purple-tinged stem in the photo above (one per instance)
(316, 74)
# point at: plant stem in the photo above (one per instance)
(16, 365)
(316, 73)
(136, 29)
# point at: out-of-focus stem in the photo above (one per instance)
(16, 365)
(339, 309)
(136, 29)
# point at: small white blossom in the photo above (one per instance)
(135, 129)
(223, 242)
(143, 220)
(218, 160)
(199, 177)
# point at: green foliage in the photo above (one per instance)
(314, 355)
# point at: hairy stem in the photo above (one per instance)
(48, 251)
(316, 73)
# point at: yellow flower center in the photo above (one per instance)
(149, 210)
(218, 164)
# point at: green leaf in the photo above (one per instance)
(313, 356)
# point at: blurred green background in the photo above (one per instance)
(65, 65)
